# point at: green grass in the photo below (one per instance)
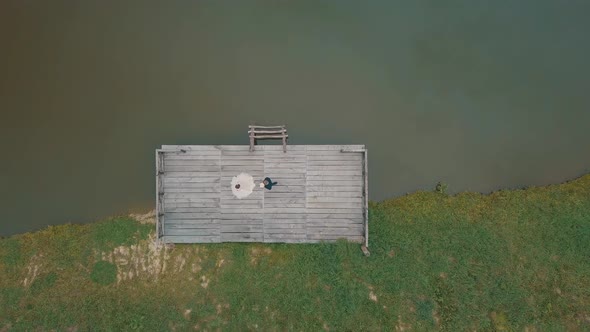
(511, 260)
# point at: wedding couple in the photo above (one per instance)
(267, 183)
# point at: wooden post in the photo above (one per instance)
(158, 196)
(284, 141)
(366, 166)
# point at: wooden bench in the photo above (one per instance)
(267, 132)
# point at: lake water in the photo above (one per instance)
(481, 96)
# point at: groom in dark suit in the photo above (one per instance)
(268, 183)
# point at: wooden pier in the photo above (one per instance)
(321, 195)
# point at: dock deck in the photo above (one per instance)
(321, 194)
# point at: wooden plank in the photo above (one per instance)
(283, 200)
(186, 162)
(227, 195)
(197, 178)
(172, 206)
(244, 156)
(315, 153)
(176, 181)
(189, 210)
(268, 136)
(273, 194)
(187, 147)
(334, 194)
(275, 157)
(345, 157)
(330, 163)
(284, 231)
(334, 178)
(335, 205)
(334, 211)
(355, 215)
(254, 155)
(212, 189)
(366, 192)
(158, 197)
(297, 239)
(335, 173)
(284, 175)
(171, 165)
(291, 151)
(338, 231)
(245, 205)
(281, 205)
(245, 169)
(191, 239)
(334, 168)
(204, 223)
(243, 163)
(195, 173)
(213, 184)
(189, 157)
(191, 195)
(190, 231)
(357, 225)
(174, 152)
(332, 188)
(241, 228)
(273, 222)
(241, 210)
(335, 218)
(175, 200)
(325, 199)
(190, 168)
(242, 237)
(284, 210)
(333, 238)
(280, 236)
(284, 225)
(291, 188)
(267, 127)
(241, 216)
(277, 216)
(333, 147)
(242, 148)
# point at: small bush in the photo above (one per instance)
(441, 188)
(104, 273)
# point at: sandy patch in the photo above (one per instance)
(33, 269)
(147, 260)
(148, 218)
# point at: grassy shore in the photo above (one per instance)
(511, 260)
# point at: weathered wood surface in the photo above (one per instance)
(321, 194)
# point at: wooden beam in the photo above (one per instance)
(366, 167)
